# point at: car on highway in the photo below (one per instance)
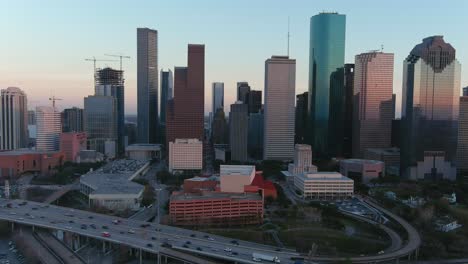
(83, 226)
(228, 249)
(167, 245)
(105, 234)
(188, 242)
(116, 221)
(192, 235)
(105, 227)
(93, 226)
(149, 245)
(235, 242)
(185, 246)
(153, 238)
(199, 249)
(131, 231)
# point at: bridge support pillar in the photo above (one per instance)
(103, 247)
(12, 226)
(141, 256)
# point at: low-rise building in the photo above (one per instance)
(185, 155)
(13, 163)
(446, 224)
(324, 185)
(433, 167)
(200, 184)
(89, 156)
(389, 156)
(111, 186)
(71, 143)
(234, 177)
(362, 170)
(216, 208)
(302, 162)
(143, 151)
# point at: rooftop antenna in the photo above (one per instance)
(289, 35)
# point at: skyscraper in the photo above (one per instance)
(280, 94)
(13, 119)
(49, 128)
(147, 85)
(348, 119)
(100, 121)
(301, 117)
(326, 88)
(462, 145)
(243, 89)
(167, 84)
(430, 105)
(254, 100)
(238, 131)
(185, 112)
(373, 103)
(218, 96)
(72, 120)
(219, 128)
(255, 136)
(465, 91)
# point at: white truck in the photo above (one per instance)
(259, 257)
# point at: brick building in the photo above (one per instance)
(16, 162)
(71, 143)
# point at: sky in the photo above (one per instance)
(43, 44)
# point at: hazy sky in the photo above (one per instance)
(43, 44)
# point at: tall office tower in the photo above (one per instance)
(465, 91)
(243, 89)
(373, 105)
(185, 113)
(254, 100)
(147, 85)
(348, 118)
(110, 82)
(13, 119)
(430, 105)
(301, 117)
(218, 96)
(238, 131)
(49, 128)
(72, 120)
(31, 117)
(462, 145)
(167, 84)
(255, 136)
(219, 130)
(393, 106)
(326, 88)
(100, 121)
(280, 94)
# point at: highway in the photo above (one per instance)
(133, 233)
(150, 236)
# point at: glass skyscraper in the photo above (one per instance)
(430, 105)
(326, 83)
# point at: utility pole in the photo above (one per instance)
(288, 36)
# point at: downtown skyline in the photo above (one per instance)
(47, 68)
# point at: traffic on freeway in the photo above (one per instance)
(142, 235)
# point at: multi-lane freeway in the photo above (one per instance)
(136, 234)
(151, 237)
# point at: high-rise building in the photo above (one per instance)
(147, 85)
(326, 88)
(185, 155)
(348, 119)
(218, 96)
(167, 84)
(465, 91)
(280, 95)
(13, 119)
(72, 120)
(238, 131)
(167, 88)
(49, 128)
(255, 136)
(430, 106)
(185, 113)
(219, 130)
(31, 117)
(100, 121)
(254, 100)
(243, 89)
(301, 117)
(110, 82)
(373, 90)
(462, 145)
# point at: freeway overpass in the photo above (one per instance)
(151, 237)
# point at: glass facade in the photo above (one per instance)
(326, 83)
(430, 103)
(100, 120)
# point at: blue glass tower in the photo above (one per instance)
(326, 83)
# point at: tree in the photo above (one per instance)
(148, 195)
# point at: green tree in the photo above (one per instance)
(148, 195)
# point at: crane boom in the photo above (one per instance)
(118, 56)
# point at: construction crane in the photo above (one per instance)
(94, 61)
(53, 99)
(118, 56)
